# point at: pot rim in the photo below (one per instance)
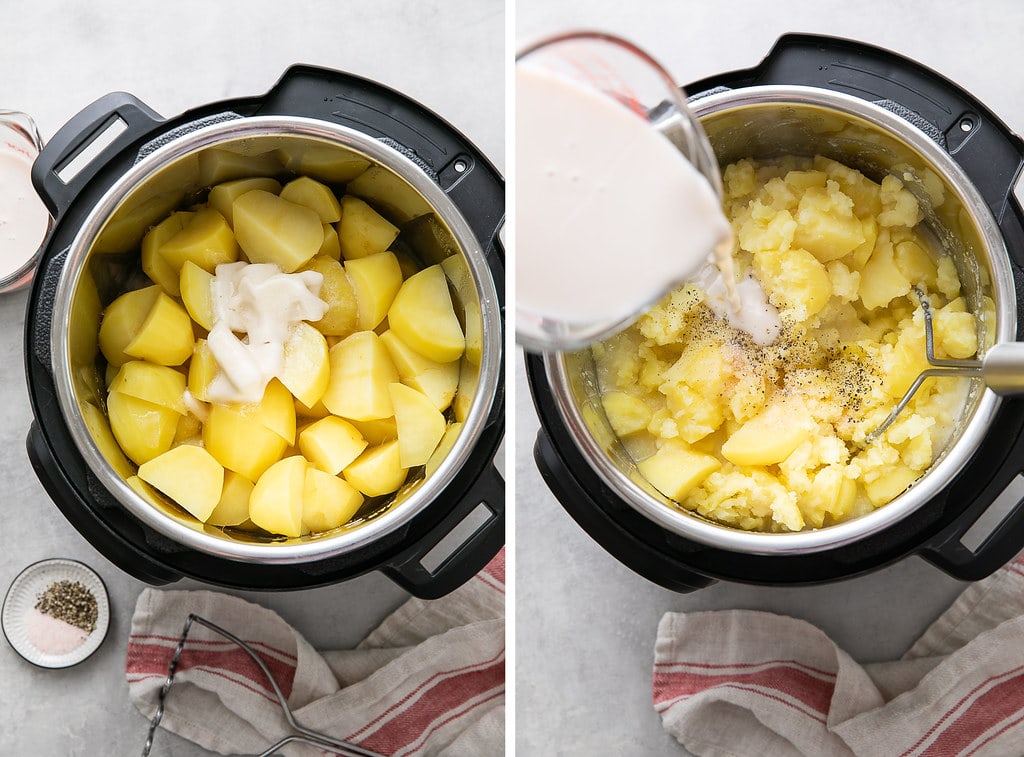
(381, 154)
(958, 452)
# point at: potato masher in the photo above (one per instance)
(1001, 368)
(300, 734)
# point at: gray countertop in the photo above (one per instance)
(586, 624)
(57, 57)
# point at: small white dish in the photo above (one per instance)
(21, 600)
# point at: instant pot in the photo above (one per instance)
(425, 177)
(880, 113)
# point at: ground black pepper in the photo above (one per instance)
(72, 602)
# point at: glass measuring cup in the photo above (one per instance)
(24, 221)
(622, 76)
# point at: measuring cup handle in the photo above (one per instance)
(77, 135)
(408, 571)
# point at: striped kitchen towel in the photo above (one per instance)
(738, 683)
(430, 680)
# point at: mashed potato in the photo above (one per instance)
(773, 438)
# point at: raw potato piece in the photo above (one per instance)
(165, 337)
(362, 230)
(276, 501)
(361, 370)
(196, 293)
(439, 381)
(423, 316)
(312, 194)
(223, 196)
(375, 280)
(143, 430)
(377, 471)
(233, 507)
(189, 475)
(272, 230)
(331, 444)
(327, 501)
(306, 371)
(206, 240)
(420, 425)
(158, 384)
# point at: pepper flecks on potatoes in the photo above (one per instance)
(337, 375)
(773, 438)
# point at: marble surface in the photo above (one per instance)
(56, 57)
(586, 624)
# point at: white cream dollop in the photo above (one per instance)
(255, 307)
(755, 316)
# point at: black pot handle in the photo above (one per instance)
(986, 536)
(77, 135)
(407, 569)
(990, 153)
(639, 555)
(115, 549)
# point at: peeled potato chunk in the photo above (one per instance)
(272, 230)
(377, 471)
(306, 370)
(196, 293)
(122, 320)
(439, 381)
(241, 444)
(362, 230)
(201, 370)
(330, 247)
(206, 240)
(422, 316)
(331, 443)
(143, 430)
(766, 439)
(222, 197)
(336, 290)
(361, 370)
(158, 384)
(312, 194)
(276, 501)
(420, 425)
(153, 264)
(233, 507)
(189, 475)
(218, 165)
(674, 469)
(275, 411)
(375, 280)
(451, 435)
(327, 501)
(166, 336)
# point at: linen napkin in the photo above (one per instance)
(430, 680)
(739, 683)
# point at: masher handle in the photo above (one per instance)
(1003, 368)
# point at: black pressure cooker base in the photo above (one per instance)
(469, 180)
(992, 157)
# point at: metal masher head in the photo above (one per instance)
(1001, 368)
(300, 734)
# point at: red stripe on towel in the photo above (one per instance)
(446, 693)
(783, 679)
(145, 658)
(1003, 701)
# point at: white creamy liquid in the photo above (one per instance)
(609, 213)
(753, 314)
(263, 305)
(23, 217)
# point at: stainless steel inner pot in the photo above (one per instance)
(173, 171)
(769, 121)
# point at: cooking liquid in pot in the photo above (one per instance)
(23, 218)
(609, 212)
